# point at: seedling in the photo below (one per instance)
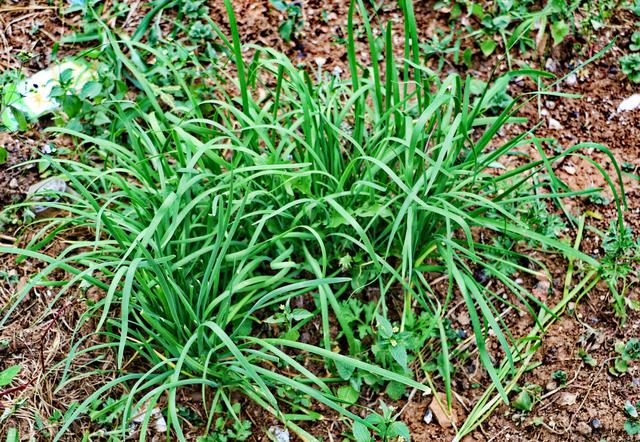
(227, 430)
(632, 424)
(293, 18)
(560, 376)
(630, 65)
(627, 352)
(385, 426)
(527, 397)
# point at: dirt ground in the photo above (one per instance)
(588, 408)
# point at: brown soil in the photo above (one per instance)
(39, 338)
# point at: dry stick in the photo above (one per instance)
(7, 238)
(28, 8)
(19, 19)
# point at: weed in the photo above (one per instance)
(293, 20)
(384, 425)
(206, 212)
(627, 352)
(8, 375)
(632, 423)
(621, 254)
(559, 376)
(227, 430)
(630, 65)
(527, 397)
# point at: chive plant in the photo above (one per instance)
(206, 217)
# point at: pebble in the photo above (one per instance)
(428, 417)
(550, 104)
(279, 434)
(541, 289)
(596, 424)
(583, 428)
(554, 124)
(13, 183)
(570, 169)
(551, 65)
(571, 80)
(567, 399)
(629, 103)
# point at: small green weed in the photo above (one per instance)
(630, 65)
(627, 353)
(527, 397)
(559, 376)
(293, 19)
(385, 426)
(632, 423)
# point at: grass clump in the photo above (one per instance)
(211, 220)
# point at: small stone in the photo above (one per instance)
(554, 124)
(571, 80)
(567, 399)
(551, 65)
(13, 183)
(439, 413)
(550, 104)
(48, 149)
(279, 434)
(583, 428)
(570, 169)
(428, 416)
(463, 318)
(551, 386)
(541, 289)
(630, 103)
(596, 424)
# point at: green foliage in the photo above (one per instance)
(632, 423)
(630, 65)
(293, 19)
(560, 376)
(228, 430)
(527, 397)
(383, 425)
(635, 41)
(212, 216)
(627, 352)
(8, 375)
